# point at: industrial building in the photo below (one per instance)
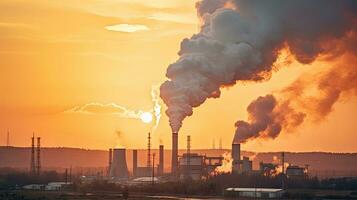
(267, 169)
(195, 166)
(266, 193)
(294, 171)
(240, 166)
(247, 165)
(191, 166)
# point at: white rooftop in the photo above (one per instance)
(254, 189)
(145, 179)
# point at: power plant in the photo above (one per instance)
(189, 165)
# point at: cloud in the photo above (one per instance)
(177, 18)
(127, 28)
(111, 108)
(123, 112)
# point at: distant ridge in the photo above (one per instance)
(320, 163)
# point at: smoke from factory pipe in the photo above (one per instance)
(240, 40)
(310, 97)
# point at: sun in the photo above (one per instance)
(146, 117)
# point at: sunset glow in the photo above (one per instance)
(146, 117)
(75, 72)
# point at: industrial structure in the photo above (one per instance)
(110, 160)
(294, 171)
(174, 157)
(8, 139)
(119, 168)
(161, 160)
(38, 153)
(240, 165)
(135, 162)
(35, 163)
(236, 158)
(188, 165)
(264, 193)
(194, 166)
(149, 151)
(247, 165)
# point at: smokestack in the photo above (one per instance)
(188, 174)
(161, 160)
(110, 160)
(236, 157)
(135, 161)
(8, 139)
(119, 167)
(33, 164)
(149, 151)
(220, 144)
(174, 157)
(38, 167)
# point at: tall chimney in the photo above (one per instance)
(119, 167)
(149, 151)
(110, 160)
(161, 160)
(33, 163)
(38, 166)
(135, 161)
(236, 157)
(174, 157)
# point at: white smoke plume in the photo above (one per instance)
(121, 111)
(240, 40)
(155, 93)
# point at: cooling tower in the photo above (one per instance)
(119, 167)
(236, 157)
(135, 161)
(161, 160)
(174, 157)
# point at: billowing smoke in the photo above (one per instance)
(240, 40)
(266, 119)
(309, 97)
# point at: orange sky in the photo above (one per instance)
(55, 55)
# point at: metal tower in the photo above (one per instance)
(33, 164)
(149, 150)
(38, 167)
(188, 155)
(8, 138)
(110, 161)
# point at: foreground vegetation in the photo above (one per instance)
(304, 188)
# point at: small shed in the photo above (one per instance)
(254, 192)
(56, 186)
(34, 187)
